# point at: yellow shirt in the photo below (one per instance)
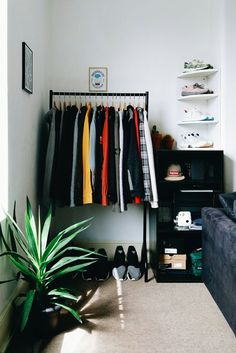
(87, 188)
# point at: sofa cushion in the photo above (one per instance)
(228, 201)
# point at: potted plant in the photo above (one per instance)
(41, 262)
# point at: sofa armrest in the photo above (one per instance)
(220, 229)
(219, 260)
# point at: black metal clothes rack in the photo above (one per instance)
(118, 95)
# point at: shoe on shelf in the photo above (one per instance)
(193, 140)
(102, 269)
(119, 266)
(199, 142)
(196, 115)
(133, 265)
(195, 89)
(195, 65)
(88, 274)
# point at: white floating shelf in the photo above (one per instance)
(198, 97)
(199, 73)
(203, 122)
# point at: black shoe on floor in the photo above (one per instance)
(119, 266)
(89, 273)
(133, 266)
(102, 271)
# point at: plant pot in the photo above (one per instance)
(167, 144)
(46, 322)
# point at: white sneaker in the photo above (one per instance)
(185, 143)
(196, 115)
(193, 140)
(199, 142)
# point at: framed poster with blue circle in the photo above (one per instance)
(98, 79)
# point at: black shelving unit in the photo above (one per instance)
(203, 170)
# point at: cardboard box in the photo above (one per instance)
(173, 262)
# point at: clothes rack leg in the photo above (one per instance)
(144, 246)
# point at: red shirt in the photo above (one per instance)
(105, 160)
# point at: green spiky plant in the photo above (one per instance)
(41, 262)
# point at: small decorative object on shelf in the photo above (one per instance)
(156, 138)
(167, 142)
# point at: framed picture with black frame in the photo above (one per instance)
(27, 68)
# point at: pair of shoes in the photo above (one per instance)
(121, 270)
(196, 115)
(193, 140)
(194, 89)
(100, 270)
(195, 65)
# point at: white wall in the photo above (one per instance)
(27, 21)
(228, 92)
(144, 45)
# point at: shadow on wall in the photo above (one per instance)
(106, 226)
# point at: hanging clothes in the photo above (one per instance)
(154, 198)
(50, 122)
(105, 150)
(74, 162)
(58, 124)
(134, 166)
(121, 143)
(64, 165)
(144, 157)
(125, 181)
(99, 155)
(112, 191)
(137, 199)
(99, 121)
(92, 151)
(87, 188)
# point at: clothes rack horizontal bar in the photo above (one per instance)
(118, 94)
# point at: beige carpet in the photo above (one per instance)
(138, 317)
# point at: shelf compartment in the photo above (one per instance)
(169, 228)
(198, 97)
(177, 276)
(198, 73)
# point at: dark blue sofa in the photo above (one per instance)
(219, 260)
